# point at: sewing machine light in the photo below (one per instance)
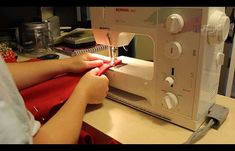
(117, 39)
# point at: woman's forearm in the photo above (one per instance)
(27, 74)
(65, 126)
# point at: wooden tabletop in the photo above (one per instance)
(130, 126)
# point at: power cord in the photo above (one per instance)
(216, 116)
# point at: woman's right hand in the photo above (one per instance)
(93, 88)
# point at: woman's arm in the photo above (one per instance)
(27, 74)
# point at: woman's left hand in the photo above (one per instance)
(86, 61)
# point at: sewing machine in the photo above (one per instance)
(181, 83)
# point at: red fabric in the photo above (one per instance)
(88, 138)
(45, 99)
(106, 66)
(113, 141)
(42, 98)
(85, 138)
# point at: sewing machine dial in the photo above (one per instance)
(169, 81)
(174, 23)
(173, 50)
(170, 100)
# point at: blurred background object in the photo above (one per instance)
(227, 78)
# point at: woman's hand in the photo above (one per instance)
(93, 88)
(86, 61)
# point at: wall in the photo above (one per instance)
(14, 16)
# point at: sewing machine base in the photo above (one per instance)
(141, 104)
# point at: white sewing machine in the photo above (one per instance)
(181, 83)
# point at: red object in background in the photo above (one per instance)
(7, 53)
(8, 56)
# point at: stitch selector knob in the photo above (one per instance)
(170, 100)
(169, 81)
(173, 50)
(174, 23)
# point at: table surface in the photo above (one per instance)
(130, 126)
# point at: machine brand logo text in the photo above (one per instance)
(125, 10)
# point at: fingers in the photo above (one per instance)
(93, 56)
(104, 77)
(94, 71)
(95, 63)
(107, 81)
